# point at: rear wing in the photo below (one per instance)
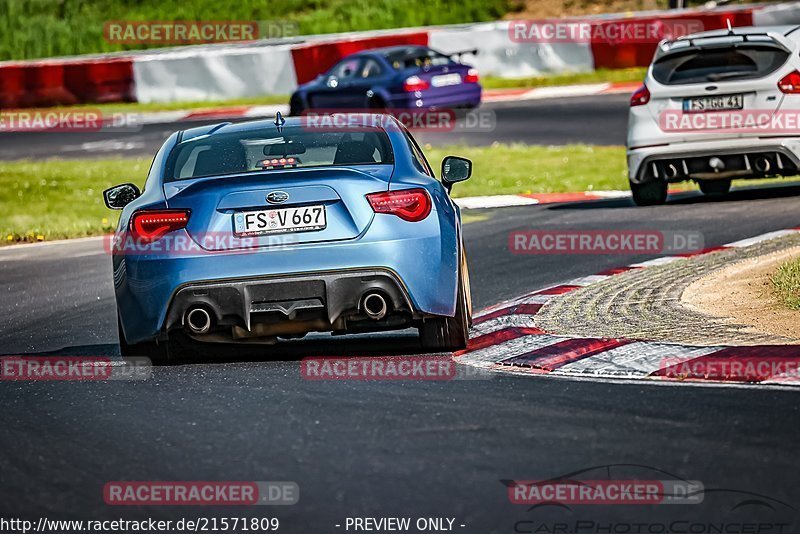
(473, 52)
(724, 40)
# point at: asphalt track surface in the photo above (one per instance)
(378, 449)
(600, 120)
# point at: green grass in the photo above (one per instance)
(508, 169)
(55, 199)
(635, 74)
(46, 28)
(58, 199)
(786, 284)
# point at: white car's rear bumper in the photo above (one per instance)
(739, 156)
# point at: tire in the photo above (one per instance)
(714, 187)
(450, 333)
(159, 353)
(652, 193)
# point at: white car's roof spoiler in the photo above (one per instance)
(715, 40)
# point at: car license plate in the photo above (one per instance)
(713, 103)
(276, 221)
(446, 79)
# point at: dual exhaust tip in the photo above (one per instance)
(198, 321)
(761, 164)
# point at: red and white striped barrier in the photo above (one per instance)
(505, 338)
(228, 71)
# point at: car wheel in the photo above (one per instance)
(448, 333)
(158, 353)
(650, 193)
(714, 187)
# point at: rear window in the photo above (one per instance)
(741, 62)
(417, 57)
(267, 149)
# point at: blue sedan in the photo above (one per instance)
(400, 77)
(251, 232)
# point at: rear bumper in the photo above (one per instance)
(741, 158)
(292, 304)
(418, 258)
(465, 95)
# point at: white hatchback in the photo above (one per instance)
(716, 106)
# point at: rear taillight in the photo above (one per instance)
(415, 83)
(151, 225)
(641, 96)
(409, 204)
(472, 76)
(790, 83)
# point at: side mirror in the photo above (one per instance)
(454, 170)
(120, 196)
(333, 82)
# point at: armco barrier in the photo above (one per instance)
(45, 85)
(12, 86)
(624, 53)
(499, 56)
(311, 60)
(101, 81)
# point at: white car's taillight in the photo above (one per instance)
(641, 96)
(790, 84)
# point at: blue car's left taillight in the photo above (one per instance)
(151, 225)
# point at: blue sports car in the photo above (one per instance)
(400, 77)
(251, 232)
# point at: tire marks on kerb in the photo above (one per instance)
(505, 338)
(636, 359)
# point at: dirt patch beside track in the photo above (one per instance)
(741, 294)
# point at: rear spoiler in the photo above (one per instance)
(473, 52)
(666, 46)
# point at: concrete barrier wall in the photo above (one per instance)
(777, 14)
(215, 74)
(223, 72)
(499, 56)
